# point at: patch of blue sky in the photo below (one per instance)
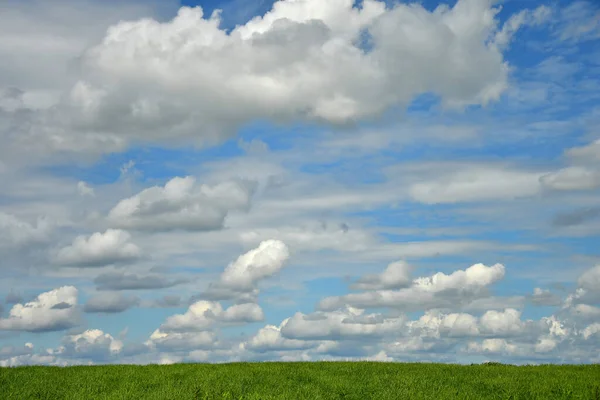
(233, 12)
(584, 245)
(41, 340)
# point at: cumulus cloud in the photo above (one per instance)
(100, 249)
(50, 311)
(301, 60)
(181, 341)
(242, 276)
(125, 281)
(493, 346)
(344, 323)
(182, 204)
(110, 303)
(439, 290)
(205, 315)
(92, 343)
(270, 338)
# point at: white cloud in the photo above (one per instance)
(257, 264)
(188, 79)
(84, 189)
(579, 21)
(572, 178)
(241, 277)
(269, 338)
(501, 323)
(185, 341)
(494, 346)
(523, 18)
(182, 204)
(29, 359)
(591, 330)
(438, 290)
(206, 315)
(100, 249)
(476, 183)
(587, 153)
(50, 311)
(92, 343)
(344, 323)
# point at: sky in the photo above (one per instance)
(299, 180)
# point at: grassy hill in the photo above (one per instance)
(319, 380)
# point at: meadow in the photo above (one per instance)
(302, 380)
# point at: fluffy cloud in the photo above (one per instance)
(242, 276)
(345, 323)
(494, 346)
(92, 343)
(182, 204)
(50, 311)
(270, 338)
(181, 341)
(205, 315)
(193, 80)
(110, 303)
(100, 249)
(438, 290)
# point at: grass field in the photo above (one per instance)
(322, 380)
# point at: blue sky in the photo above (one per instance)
(267, 187)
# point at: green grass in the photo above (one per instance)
(320, 380)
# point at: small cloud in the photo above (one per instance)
(84, 189)
(100, 249)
